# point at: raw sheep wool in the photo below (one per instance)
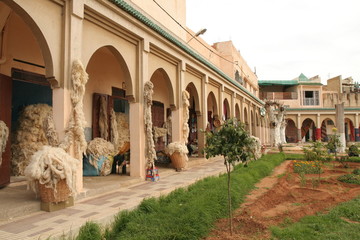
(122, 129)
(103, 118)
(256, 147)
(4, 135)
(35, 129)
(177, 147)
(186, 105)
(159, 132)
(75, 131)
(97, 148)
(150, 146)
(49, 165)
(114, 128)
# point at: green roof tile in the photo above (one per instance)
(132, 11)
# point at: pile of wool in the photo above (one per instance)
(99, 147)
(123, 130)
(177, 147)
(35, 129)
(4, 134)
(49, 165)
(103, 118)
(150, 145)
(159, 132)
(255, 147)
(75, 131)
(114, 128)
(186, 105)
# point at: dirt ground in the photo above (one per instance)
(283, 197)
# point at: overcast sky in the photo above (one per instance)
(283, 38)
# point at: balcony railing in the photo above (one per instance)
(311, 102)
(278, 95)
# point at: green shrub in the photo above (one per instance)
(353, 159)
(89, 231)
(353, 151)
(350, 178)
(356, 171)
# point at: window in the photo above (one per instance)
(311, 98)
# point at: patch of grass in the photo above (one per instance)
(294, 156)
(325, 226)
(350, 178)
(190, 213)
(90, 230)
(353, 159)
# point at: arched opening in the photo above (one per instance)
(105, 103)
(246, 119)
(237, 112)
(326, 129)
(308, 130)
(212, 114)
(252, 120)
(26, 95)
(161, 110)
(291, 131)
(349, 130)
(194, 115)
(226, 108)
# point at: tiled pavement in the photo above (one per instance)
(102, 208)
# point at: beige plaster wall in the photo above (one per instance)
(196, 80)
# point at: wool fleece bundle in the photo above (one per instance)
(49, 165)
(4, 134)
(35, 129)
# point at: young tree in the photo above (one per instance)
(234, 143)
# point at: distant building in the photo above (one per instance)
(310, 106)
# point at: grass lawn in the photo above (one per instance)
(342, 222)
(186, 213)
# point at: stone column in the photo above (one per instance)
(299, 128)
(340, 125)
(357, 132)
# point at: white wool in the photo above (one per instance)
(123, 130)
(49, 165)
(114, 128)
(256, 147)
(4, 135)
(159, 132)
(100, 147)
(106, 167)
(35, 129)
(75, 131)
(186, 105)
(150, 146)
(176, 147)
(103, 118)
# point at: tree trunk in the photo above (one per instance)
(228, 169)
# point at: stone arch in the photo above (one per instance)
(40, 39)
(326, 128)
(195, 116)
(194, 97)
(291, 131)
(252, 122)
(246, 119)
(308, 130)
(349, 130)
(237, 112)
(212, 113)
(226, 109)
(161, 81)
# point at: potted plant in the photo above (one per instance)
(178, 154)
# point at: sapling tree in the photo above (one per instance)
(234, 143)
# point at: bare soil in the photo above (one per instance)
(284, 197)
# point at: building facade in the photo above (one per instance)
(122, 45)
(310, 106)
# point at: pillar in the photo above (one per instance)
(340, 125)
(357, 132)
(318, 134)
(299, 128)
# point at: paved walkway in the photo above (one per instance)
(102, 208)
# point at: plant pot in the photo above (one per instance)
(178, 160)
(48, 195)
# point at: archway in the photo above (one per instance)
(161, 110)
(308, 130)
(212, 113)
(26, 65)
(349, 130)
(291, 131)
(326, 129)
(195, 119)
(253, 126)
(106, 106)
(226, 108)
(246, 119)
(237, 112)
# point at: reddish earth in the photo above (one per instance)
(282, 196)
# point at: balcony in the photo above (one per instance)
(278, 95)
